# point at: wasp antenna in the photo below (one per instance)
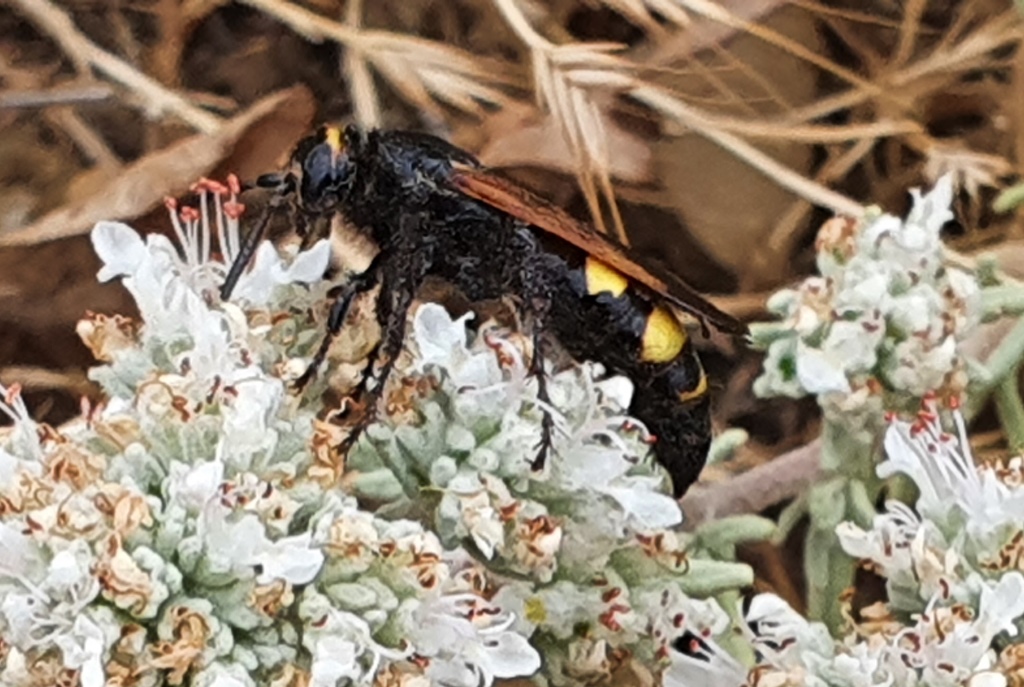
(269, 181)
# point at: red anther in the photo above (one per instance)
(320, 622)
(608, 620)
(611, 594)
(216, 187)
(650, 440)
(233, 209)
(953, 402)
(662, 653)
(13, 392)
(170, 203)
(916, 429)
(234, 185)
(189, 214)
(890, 416)
(678, 620)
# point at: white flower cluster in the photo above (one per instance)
(201, 527)
(955, 591)
(881, 325)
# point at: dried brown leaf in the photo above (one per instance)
(168, 172)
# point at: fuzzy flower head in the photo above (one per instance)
(946, 645)
(964, 533)
(883, 322)
(204, 527)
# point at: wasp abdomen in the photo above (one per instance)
(601, 315)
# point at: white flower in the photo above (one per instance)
(238, 545)
(951, 485)
(194, 486)
(821, 372)
(44, 604)
(888, 317)
(249, 414)
(703, 663)
(269, 270)
(469, 642)
(154, 274)
(341, 645)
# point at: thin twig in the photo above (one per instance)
(59, 95)
(34, 378)
(87, 140)
(775, 481)
(86, 54)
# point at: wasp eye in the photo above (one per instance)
(326, 176)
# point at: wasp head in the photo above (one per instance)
(322, 170)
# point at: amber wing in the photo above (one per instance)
(517, 201)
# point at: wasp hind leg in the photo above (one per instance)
(547, 421)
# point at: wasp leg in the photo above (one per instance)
(400, 281)
(335, 319)
(547, 422)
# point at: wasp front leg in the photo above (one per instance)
(401, 275)
(336, 319)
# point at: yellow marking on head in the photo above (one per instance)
(698, 391)
(601, 278)
(663, 338)
(334, 140)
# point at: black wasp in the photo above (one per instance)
(433, 211)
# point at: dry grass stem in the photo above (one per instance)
(425, 72)
(155, 98)
(58, 95)
(973, 52)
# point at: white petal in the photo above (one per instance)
(291, 559)
(119, 247)
(651, 509)
(437, 335)
(510, 655)
(310, 265)
(819, 373)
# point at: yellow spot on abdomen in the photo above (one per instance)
(698, 391)
(601, 278)
(663, 338)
